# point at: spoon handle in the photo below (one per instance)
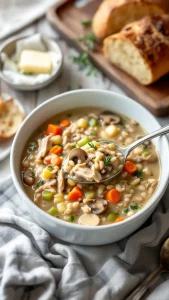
(150, 136)
(142, 288)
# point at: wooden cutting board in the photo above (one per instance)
(66, 18)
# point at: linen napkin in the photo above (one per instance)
(15, 14)
(37, 266)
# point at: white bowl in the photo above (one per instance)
(86, 235)
(9, 47)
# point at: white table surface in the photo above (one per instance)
(70, 78)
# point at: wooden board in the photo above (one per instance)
(66, 18)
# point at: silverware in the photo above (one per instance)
(163, 267)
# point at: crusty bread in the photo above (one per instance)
(113, 15)
(10, 118)
(141, 49)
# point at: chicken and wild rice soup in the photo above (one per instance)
(67, 150)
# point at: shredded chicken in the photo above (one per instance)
(61, 181)
(46, 185)
(44, 146)
(82, 171)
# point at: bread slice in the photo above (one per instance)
(10, 118)
(141, 49)
(113, 15)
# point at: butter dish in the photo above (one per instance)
(11, 52)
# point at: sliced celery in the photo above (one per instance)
(47, 195)
(84, 141)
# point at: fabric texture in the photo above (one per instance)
(15, 14)
(37, 266)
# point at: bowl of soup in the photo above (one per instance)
(58, 148)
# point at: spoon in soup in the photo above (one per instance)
(124, 154)
(138, 293)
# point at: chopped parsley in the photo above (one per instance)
(107, 160)
(86, 23)
(145, 147)
(40, 182)
(50, 168)
(138, 174)
(126, 210)
(92, 145)
(73, 146)
(122, 123)
(134, 207)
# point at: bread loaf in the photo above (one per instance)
(113, 15)
(141, 49)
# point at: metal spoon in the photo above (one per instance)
(163, 267)
(125, 151)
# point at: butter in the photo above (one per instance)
(36, 62)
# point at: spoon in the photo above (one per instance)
(163, 267)
(125, 152)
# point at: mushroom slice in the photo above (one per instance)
(78, 154)
(89, 220)
(98, 206)
(28, 177)
(109, 117)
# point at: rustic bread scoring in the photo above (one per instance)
(10, 118)
(141, 49)
(113, 15)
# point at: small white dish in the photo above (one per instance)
(5, 146)
(9, 48)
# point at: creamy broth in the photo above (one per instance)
(89, 204)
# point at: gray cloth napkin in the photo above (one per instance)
(37, 266)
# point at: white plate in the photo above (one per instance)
(5, 147)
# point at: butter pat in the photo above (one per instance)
(36, 62)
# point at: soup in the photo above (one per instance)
(75, 135)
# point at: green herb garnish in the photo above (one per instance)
(70, 218)
(50, 168)
(107, 160)
(122, 123)
(92, 145)
(86, 23)
(138, 174)
(145, 147)
(84, 63)
(134, 207)
(73, 146)
(126, 210)
(88, 40)
(40, 182)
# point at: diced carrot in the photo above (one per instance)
(56, 150)
(113, 196)
(119, 219)
(56, 161)
(75, 194)
(47, 159)
(130, 167)
(65, 123)
(54, 129)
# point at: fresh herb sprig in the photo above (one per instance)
(107, 160)
(87, 40)
(132, 207)
(50, 168)
(84, 63)
(86, 23)
(122, 123)
(92, 145)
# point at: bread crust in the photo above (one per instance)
(111, 15)
(150, 37)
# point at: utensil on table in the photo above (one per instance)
(163, 267)
(124, 150)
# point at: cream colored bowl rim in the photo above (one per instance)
(153, 201)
